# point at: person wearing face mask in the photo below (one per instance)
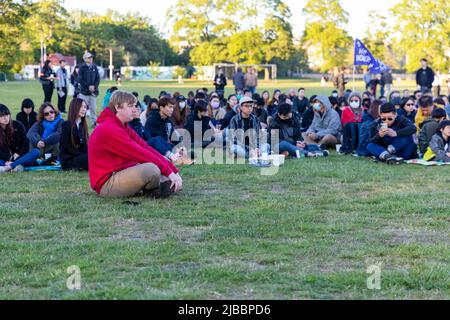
(392, 137)
(215, 111)
(326, 127)
(351, 121)
(180, 113)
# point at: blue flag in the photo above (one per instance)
(363, 57)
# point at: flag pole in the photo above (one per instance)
(353, 78)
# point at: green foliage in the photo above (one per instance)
(424, 32)
(325, 31)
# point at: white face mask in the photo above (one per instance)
(354, 104)
(335, 95)
(182, 105)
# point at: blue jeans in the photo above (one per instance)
(25, 160)
(160, 145)
(244, 152)
(292, 148)
(252, 89)
(404, 147)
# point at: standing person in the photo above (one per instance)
(251, 80)
(339, 81)
(120, 163)
(437, 84)
(14, 153)
(45, 134)
(47, 77)
(89, 80)
(27, 116)
(238, 80)
(73, 144)
(220, 82)
(62, 84)
(367, 77)
(424, 76)
(74, 81)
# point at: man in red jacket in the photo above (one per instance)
(121, 164)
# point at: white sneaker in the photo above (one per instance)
(19, 168)
(3, 169)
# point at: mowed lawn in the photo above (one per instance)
(308, 232)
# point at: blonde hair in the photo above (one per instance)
(120, 97)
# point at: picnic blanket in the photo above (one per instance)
(44, 168)
(427, 163)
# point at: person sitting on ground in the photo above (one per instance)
(440, 143)
(199, 119)
(74, 138)
(152, 104)
(27, 116)
(14, 155)
(180, 113)
(426, 107)
(429, 127)
(141, 105)
(335, 105)
(244, 138)
(351, 123)
(308, 115)
(326, 127)
(45, 134)
(120, 163)
(108, 94)
(301, 102)
(408, 109)
(273, 104)
(290, 135)
(369, 116)
(392, 136)
(215, 111)
(233, 105)
(260, 112)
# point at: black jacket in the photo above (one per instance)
(225, 122)
(45, 73)
(67, 151)
(27, 119)
(300, 106)
(190, 125)
(283, 127)
(137, 126)
(158, 127)
(307, 118)
(19, 143)
(425, 77)
(88, 76)
(402, 126)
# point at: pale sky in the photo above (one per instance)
(156, 10)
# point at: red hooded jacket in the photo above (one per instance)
(114, 147)
(348, 116)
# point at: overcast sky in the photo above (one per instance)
(156, 10)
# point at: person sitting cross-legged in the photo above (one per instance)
(392, 136)
(326, 127)
(121, 164)
(440, 143)
(290, 135)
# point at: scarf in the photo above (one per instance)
(49, 127)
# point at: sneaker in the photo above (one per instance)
(323, 147)
(323, 153)
(4, 169)
(164, 191)
(393, 160)
(19, 168)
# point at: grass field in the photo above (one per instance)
(309, 232)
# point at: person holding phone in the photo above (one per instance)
(392, 136)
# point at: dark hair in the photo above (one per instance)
(342, 101)
(135, 93)
(416, 92)
(374, 109)
(46, 64)
(284, 109)
(301, 89)
(40, 115)
(165, 101)
(444, 124)
(162, 94)
(74, 111)
(149, 106)
(282, 98)
(405, 101)
(200, 106)
(439, 101)
(438, 113)
(425, 101)
(62, 60)
(387, 108)
(191, 93)
(27, 103)
(112, 89)
(312, 98)
(333, 100)
(260, 102)
(147, 99)
(7, 137)
(200, 96)
(423, 59)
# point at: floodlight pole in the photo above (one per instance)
(111, 66)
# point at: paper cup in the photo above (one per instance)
(338, 147)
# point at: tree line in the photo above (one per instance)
(203, 32)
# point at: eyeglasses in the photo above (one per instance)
(247, 105)
(46, 114)
(387, 119)
(409, 104)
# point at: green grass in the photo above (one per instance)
(308, 232)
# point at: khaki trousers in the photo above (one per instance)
(329, 140)
(130, 181)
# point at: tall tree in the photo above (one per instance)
(423, 28)
(325, 35)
